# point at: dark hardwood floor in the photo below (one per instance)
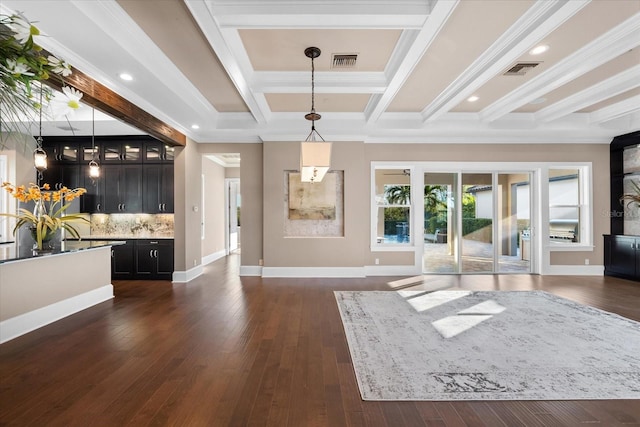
(229, 351)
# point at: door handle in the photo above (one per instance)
(151, 253)
(155, 253)
(112, 253)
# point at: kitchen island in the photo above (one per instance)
(37, 289)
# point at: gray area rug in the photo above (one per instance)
(465, 345)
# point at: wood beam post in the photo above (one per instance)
(104, 99)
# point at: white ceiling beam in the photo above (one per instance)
(203, 15)
(614, 111)
(411, 47)
(536, 23)
(325, 82)
(615, 42)
(620, 83)
(402, 14)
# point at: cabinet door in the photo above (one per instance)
(146, 262)
(130, 188)
(111, 152)
(68, 152)
(622, 255)
(111, 179)
(152, 202)
(122, 260)
(152, 152)
(165, 260)
(167, 188)
(637, 276)
(52, 175)
(93, 200)
(131, 152)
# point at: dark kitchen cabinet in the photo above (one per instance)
(93, 200)
(121, 151)
(154, 259)
(157, 152)
(158, 188)
(123, 188)
(622, 256)
(123, 260)
(62, 151)
(59, 175)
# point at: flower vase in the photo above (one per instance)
(46, 244)
(48, 239)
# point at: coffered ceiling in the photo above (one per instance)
(237, 69)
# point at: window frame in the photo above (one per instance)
(375, 242)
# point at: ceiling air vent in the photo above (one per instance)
(521, 68)
(344, 60)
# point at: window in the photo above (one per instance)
(392, 206)
(569, 210)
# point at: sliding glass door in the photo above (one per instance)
(477, 222)
(440, 225)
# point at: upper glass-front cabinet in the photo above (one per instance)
(156, 152)
(119, 152)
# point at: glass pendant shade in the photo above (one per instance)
(40, 159)
(94, 169)
(315, 160)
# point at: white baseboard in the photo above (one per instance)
(392, 270)
(27, 322)
(574, 270)
(187, 276)
(213, 257)
(250, 270)
(313, 272)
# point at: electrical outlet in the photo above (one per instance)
(586, 261)
(195, 262)
(377, 261)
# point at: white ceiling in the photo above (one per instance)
(237, 68)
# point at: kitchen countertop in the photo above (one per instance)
(13, 253)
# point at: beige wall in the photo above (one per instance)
(251, 189)
(187, 196)
(347, 251)
(355, 159)
(214, 207)
(232, 173)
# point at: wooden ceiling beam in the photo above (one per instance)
(104, 99)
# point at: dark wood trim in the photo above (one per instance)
(104, 99)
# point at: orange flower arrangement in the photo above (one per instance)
(47, 217)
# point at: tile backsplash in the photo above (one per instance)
(131, 225)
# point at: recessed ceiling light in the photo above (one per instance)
(473, 98)
(125, 76)
(538, 101)
(539, 49)
(195, 127)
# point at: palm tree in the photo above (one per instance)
(398, 194)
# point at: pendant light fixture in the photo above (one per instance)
(94, 167)
(39, 155)
(315, 156)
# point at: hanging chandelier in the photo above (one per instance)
(94, 167)
(315, 155)
(39, 155)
